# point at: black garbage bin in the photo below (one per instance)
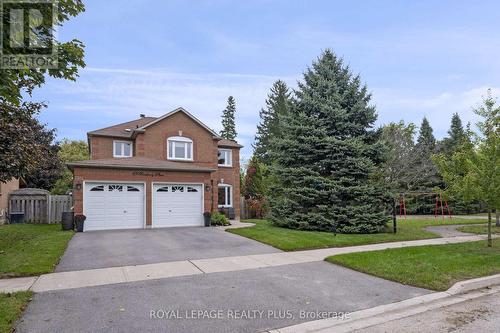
(16, 217)
(206, 217)
(67, 221)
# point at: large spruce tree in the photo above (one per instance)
(277, 105)
(228, 122)
(326, 155)
(456, 136)
(425, 175)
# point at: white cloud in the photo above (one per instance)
(118, 95)
(394, 105)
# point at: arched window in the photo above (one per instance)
(179, 148)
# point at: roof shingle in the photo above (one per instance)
(228, 143)
(120, 129)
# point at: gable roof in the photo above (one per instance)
(140, 125)
(228, 143)
(120, 129)
(180, 109)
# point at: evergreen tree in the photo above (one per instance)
(425, 175)
(277, 105)
(398, 138)
(426, 140)
(228, 124)
(456, 136)
(326, 155)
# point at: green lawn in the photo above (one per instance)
(11, 307)
(292, 240)
(480, 229)
(435, 267)
(31, 249)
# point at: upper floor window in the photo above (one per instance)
(179, 148)
(122, 149)
(225, 157)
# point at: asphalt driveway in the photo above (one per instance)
(231, 301)
(99, 249)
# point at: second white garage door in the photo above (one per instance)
(177, 205)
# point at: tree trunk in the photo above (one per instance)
(498, 218)
(490, 242)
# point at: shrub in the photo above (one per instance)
(219, 219)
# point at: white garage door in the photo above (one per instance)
(176, 205)
(113, 206)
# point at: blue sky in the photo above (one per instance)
(425, 58)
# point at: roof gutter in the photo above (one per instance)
(72, 165)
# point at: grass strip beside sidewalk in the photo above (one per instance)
(294, 240)
(435, 267)
(11, 307)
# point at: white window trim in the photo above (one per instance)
(226, 193)
(123, 141)
(230, 164)
(179, 139)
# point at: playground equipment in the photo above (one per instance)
(438, 206)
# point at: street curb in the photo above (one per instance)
(459, 292)
(474, 284)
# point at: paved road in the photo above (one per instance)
(282, 292)
(479, 315)
(448, 230)
(99, 249)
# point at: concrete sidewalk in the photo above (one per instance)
(114, 275)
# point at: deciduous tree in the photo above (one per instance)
(70, 151)
(473, 172)
(15, 82)
(22, 143)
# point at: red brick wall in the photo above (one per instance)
(155, 139)
(101, 147)
(231, 176)
(153, 144)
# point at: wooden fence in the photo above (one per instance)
(57, 205)
(39, 206)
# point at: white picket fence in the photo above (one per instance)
(39, 206)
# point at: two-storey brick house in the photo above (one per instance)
(156, 172)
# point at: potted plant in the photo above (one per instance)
(79, 219)
(207, 216)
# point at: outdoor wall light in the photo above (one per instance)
(78, 187)
(207, 188)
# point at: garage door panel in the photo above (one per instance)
(113, 206)
(177, 205)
